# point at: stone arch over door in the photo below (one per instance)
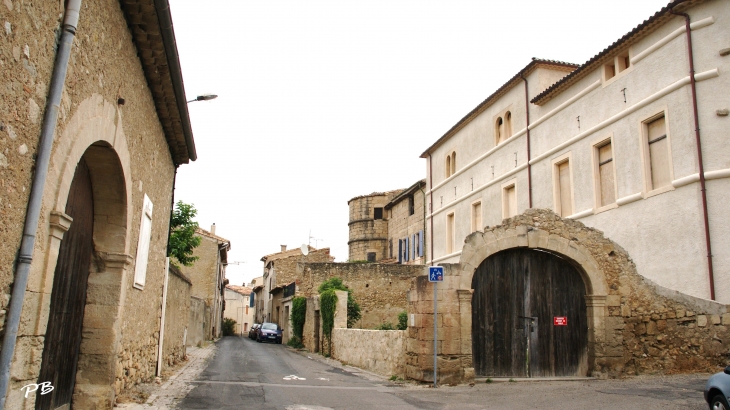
(479, 246)
(95, 134)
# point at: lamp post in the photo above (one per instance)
(204, 97)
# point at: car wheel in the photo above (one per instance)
(258, 340)
(719, 403)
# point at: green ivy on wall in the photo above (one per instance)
(298, 315)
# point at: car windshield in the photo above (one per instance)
(269, 326)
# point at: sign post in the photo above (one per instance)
(435, 275)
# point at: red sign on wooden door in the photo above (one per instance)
(560, 321)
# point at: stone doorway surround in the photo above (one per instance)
(455, 296)
(634, 325)
(94, 132)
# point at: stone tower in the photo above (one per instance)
(369, 226)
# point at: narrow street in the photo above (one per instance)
(250, 375)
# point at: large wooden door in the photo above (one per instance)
(517, 295)
(63, 334)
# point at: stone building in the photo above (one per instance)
(96, 173)
(280, 273)
(238, 307)
(257, 289)
(575, 209)
(388, 227)
(208, 275)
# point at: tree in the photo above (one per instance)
(182, 233)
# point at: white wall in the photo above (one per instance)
(664, 232)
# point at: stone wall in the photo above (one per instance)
(177, 312)
(122, 322)
(378, 351)
(379, 289)
(198, 321)
(635, 326)
(286, 268)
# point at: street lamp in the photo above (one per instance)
(204, 97)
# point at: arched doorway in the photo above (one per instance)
(519, 296)
(68, 300)
(89, 270)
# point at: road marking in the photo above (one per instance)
(294, 377)
(382, 389)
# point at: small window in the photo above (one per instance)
(659, 167)
(411, 205)
(453, 163)
(450, 234)
(390, 247)
(507, 125)
(378, 213)
(609, 70)
(371, 256)
(448, 166)
(606, 185)
(499, 131)
(143, 245)
(563, 191)
(509, 201)
(476, 216)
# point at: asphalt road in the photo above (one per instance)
(249, 375)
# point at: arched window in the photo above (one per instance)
(498, 131)
(453, 162)
(507, 125)
(448, 166)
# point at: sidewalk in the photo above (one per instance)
(167, 395)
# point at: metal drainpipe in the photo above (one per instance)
(430, 188)
(529, 167)
(45, 145)
(424, 218)
(703, 189)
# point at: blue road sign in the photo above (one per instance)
(435, 273)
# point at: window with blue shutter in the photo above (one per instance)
(420, 243)
(400, 251)
(407, 249)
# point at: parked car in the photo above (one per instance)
(717, 390)
(269, 332)
(253, 332)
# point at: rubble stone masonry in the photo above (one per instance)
(380, 289)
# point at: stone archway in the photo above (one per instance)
(95, 134)
(479, 246)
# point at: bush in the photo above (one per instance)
(229, 327)
(298, 316)
(295, 342)
(385, 326)
(403, 320)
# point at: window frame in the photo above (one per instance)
(557, 203)
(143, 244)
(649, 191)
(474, 225)
(505, 203)
(450, 232)
(597, 185)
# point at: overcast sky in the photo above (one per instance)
(321, 101)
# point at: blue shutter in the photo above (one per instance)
(400, 251)
(408, 249)
(420, 243)
(415, 246)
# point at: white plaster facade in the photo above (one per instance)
(238, 308)
(662, 229)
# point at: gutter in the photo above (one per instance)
(527, 127)
(703, 188)
(164, 17)
(45, 146)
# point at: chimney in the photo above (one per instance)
(283, 248)
(212, 228)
